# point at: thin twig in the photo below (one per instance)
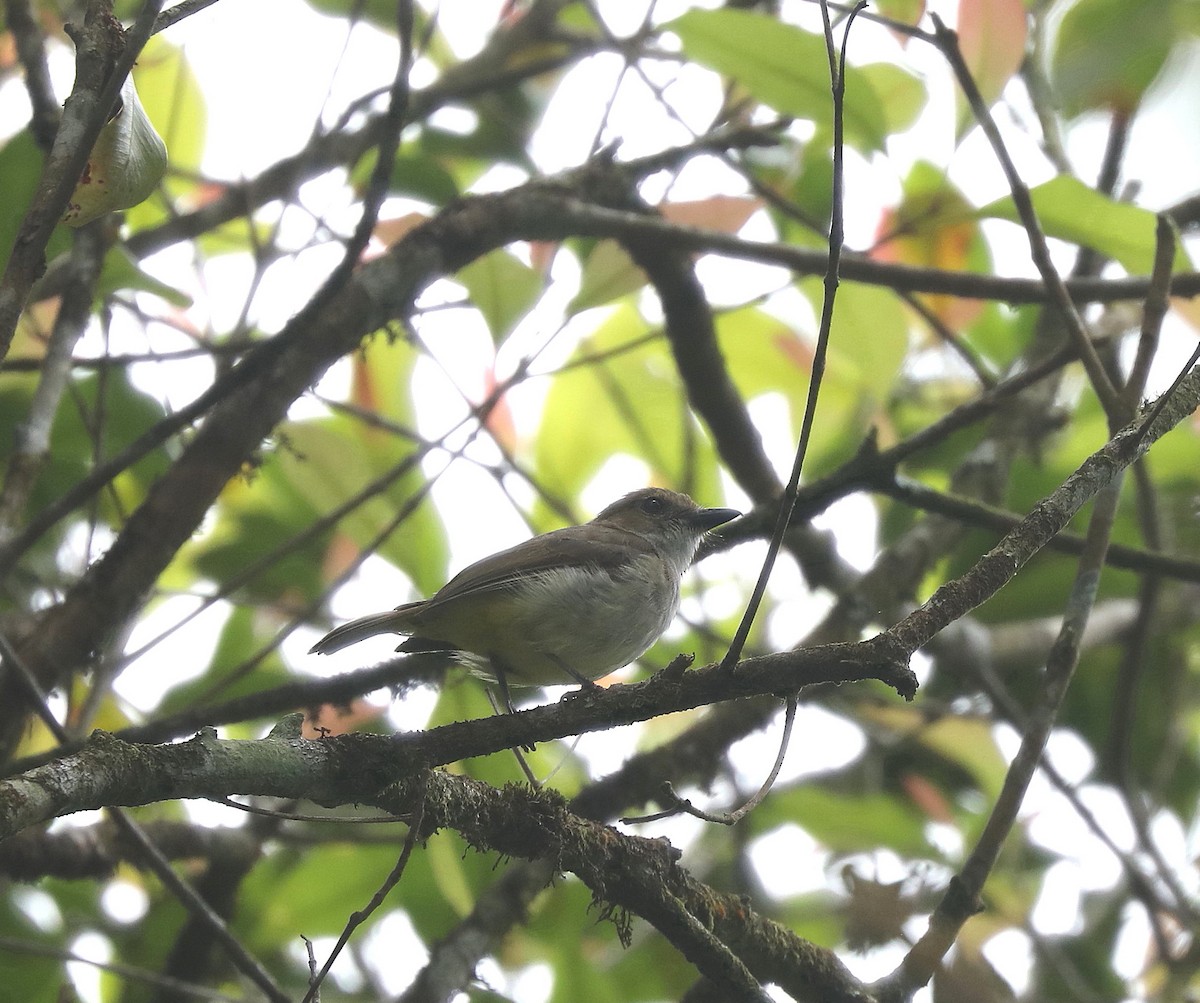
(360, 916)
(947, 42)
(150, 855)
(178, 988)
(173, 15)
(973, 513)
(961, 900)
(1155, 309)
(836, 236)
(31, 447)
(1045, 520)
(680, 804)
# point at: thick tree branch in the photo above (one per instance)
(96, 851)
(624, 872)
(60, 786)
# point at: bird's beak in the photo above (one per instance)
(711, 518)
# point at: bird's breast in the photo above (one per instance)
(594, 620)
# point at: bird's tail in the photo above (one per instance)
(394, 621)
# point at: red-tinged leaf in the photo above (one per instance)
(338, 557)
(1187, 310)
(541, 254)
(797, 350)
(726, 213)
(201, 194)
(362, 386)
(928, 797)
(388, 231)
(499, 419)
(339, 719)
(948, 248)
(992, 36)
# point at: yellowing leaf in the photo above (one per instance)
(934, 227)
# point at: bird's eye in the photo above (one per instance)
(652, 505)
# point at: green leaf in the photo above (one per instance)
(786, 67)
(315, 467)
(241, 635)
(422, 176)
(128, 414)
(649, 969)
(584, 438)
(620, 394)
(608, 274)
(560, 909)
(1070, 210)
(414, 173)
(20, 170)
(256, 516)
(1108, 52)
(763, 354)
(77, 439)
(867, 344)
(350, 454)
(967, 742)
(902, 96)
(29, 976)
(120, 271)
(1001, 332)
(313, 893)
(905, 11)
(847, 822)
(329, 460)
(502, 289)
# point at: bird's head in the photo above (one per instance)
(669, 521)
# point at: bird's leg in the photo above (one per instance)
(585, 684)
(503, 696)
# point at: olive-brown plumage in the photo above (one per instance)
(574, 603)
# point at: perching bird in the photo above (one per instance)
(575, 603)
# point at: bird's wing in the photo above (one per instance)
(598, 547)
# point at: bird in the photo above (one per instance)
(572, 604)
